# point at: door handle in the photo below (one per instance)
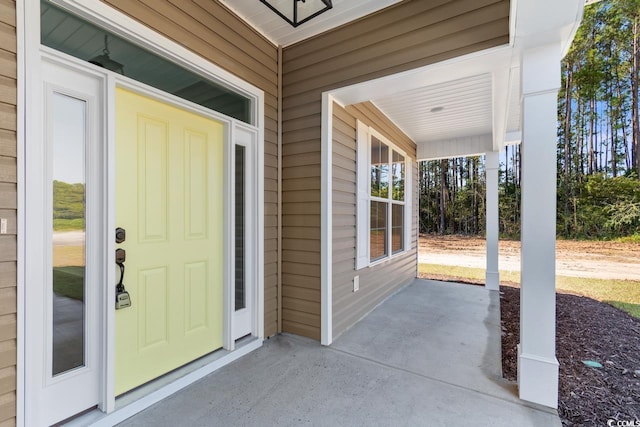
(123, 299)
(121, 256)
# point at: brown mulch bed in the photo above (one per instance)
(586, 330)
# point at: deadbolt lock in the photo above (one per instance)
(121, 235)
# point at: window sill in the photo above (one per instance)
(384, 260)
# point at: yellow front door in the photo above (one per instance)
(169, 199)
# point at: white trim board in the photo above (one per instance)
(363, 178)
(326, 222)
(456, 147)
(20, 216)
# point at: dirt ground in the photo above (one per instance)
(599, 260)
(68, 248)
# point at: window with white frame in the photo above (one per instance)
(384, 198)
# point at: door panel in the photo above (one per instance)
(152, 186)
(195, 195)
(169, 198)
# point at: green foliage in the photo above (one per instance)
(398, 189)
(452, 196)
(607, 208)
(624, 216)
(68, 206)
(509, 197)
(634, 238)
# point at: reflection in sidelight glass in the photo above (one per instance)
(67, 116)
(239, 228)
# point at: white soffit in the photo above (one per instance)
(282, 33)
(449, 110)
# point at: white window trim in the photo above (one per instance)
(364, 198)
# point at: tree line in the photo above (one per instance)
(598, 186)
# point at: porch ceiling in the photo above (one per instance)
(460, 110)
(452, 109)
(464, 106)
(281, 33)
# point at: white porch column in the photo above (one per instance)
(492, 275)
(537, 363)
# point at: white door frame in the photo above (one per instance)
(30, 128)
(243, 321)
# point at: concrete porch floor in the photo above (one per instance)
(428, 356)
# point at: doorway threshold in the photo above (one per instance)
(153, 392)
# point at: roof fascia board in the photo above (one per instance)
(456, 147)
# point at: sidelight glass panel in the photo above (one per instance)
(378, 230)
(397, 228)
(240, 280)
(379, 168)
(398, 176)
(67, 141)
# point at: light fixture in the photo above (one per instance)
(297, 12)
(105, 62)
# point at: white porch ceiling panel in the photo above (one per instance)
(466, 109)
(282, 33)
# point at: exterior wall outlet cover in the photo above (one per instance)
(3, 225)
(356, 283)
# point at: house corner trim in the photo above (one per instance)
(326, 223)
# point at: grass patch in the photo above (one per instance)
(632, 309)
(60, 224)
(68, 224)
(622, 294)
(69, 282)
(466, 273)
(634, 238)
